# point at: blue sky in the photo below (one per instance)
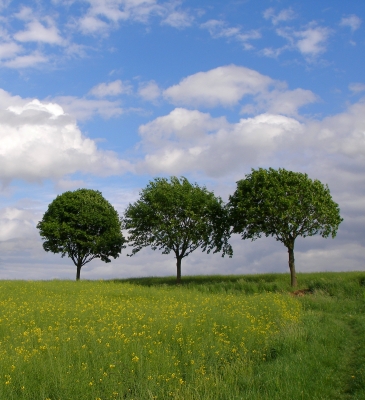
(110, 94)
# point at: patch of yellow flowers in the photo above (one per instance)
(103, 337)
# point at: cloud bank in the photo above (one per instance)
(40, 141)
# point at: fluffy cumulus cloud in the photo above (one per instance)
(39, 141)
(223, 86)
(37, 32)
(195, 141)
(189, 140)
(228, 85)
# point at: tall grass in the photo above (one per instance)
(218, 337)
(101, 340)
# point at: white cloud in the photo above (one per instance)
(9, 50)
(312, 41)
(149, 91)
(220, 86)
(187, 141)
(190, 141)
(83, 108)
(181, 124)
(352, 21)
(285, 102)
(344, 133)
(111, 89)
(35, 105)
(39, 29)
(37, 32)
(40, 141)
(228, 85)
(16, 223)
(178, 19)
(104, 15)
(96, 18)
(4, 3)
(284, 15)
(274, 53)
(26, 61)
(219, 29)
(25, 14)
(90, 24)
(357, 87)
(75, 50)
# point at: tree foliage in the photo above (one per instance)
(283, 204)
(175, 215)
(82, 225)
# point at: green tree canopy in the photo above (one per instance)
(175, 215)
(83, 225)
(283, 204)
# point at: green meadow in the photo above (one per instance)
(212, 337)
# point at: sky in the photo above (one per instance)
(109, 94)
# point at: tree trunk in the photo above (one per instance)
(78, 271)
(178, 270)
(293, 277)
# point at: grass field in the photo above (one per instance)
(213, 337)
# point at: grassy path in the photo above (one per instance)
(332, 361)
(354, 380)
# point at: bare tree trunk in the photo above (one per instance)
(78, 271)
(293, 277)
(178, 270)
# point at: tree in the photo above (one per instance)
(283, 204)
(83, 225)
(175, 215)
